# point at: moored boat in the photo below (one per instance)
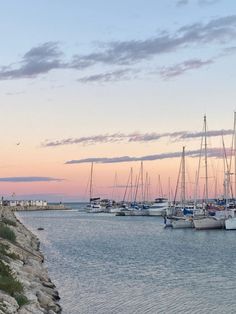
(230, 223)
(182, 223)
(159, 207)
(209, 223)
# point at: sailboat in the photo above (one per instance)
(94, 205)
(138, 209)
(230, 222)
(183, 221)
(207, 221)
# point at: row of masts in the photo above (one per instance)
(145, 183)
(227, 182)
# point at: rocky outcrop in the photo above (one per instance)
(28, 269)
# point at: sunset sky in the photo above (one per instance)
(114, 82)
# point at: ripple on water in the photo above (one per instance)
(107, 264)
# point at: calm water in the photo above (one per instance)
(105, 264)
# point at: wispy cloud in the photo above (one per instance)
(181, 68)
(180, 3)
(207, 2)
(218, 31)
(38, 60)
(134, 137)
(113, 76)
(213, 152)
(88, 140)
(48, 56)
(29, 179)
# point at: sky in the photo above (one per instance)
(117, 83)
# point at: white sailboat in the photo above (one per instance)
(207, 221)
(230, 222)
(94, 205)
(182, 221)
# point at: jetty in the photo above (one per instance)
(25, 286)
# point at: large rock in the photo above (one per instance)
(47, 303)
(8, 305)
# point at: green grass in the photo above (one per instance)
(8, 282)
(11, 285)
(9, 222)
(4, 252)
(7, 233)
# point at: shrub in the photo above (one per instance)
(7, 233)
(4, 252)
(21, 299)
(9, 222)
(8, 283)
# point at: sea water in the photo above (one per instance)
(104, 264)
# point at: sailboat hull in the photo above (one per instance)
(156, 211)
(230, 224)
(182, 224)
(208, 223)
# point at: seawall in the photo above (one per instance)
(27, 267)
(35, 208)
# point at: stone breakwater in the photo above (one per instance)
(29, 270)
(35, 208)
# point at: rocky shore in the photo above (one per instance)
(25, 262)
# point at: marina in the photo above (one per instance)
(118, 157)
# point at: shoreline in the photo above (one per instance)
(28, 268)
(38, 208)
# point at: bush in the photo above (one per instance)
(21, 299)
(8, 283)
(4, 252)
(7, 233)
(9, 222)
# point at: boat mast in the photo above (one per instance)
(206, 168)
(169, 189)
(126, 188)
(160, 192)
(131, 184)
(227, 183)
(183, 178)
(234, 154)
(136, 187)
(114, 188)
(142, 191)
(146, 188)
(91, 184)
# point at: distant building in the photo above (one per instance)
(24, 203)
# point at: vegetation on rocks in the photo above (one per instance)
(4, 252)
(7, 233)
(16, 271)
(8, 283)
(9, 222)
(21, 299)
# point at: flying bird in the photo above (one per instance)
(18, 143)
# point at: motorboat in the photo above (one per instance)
(158, 207)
